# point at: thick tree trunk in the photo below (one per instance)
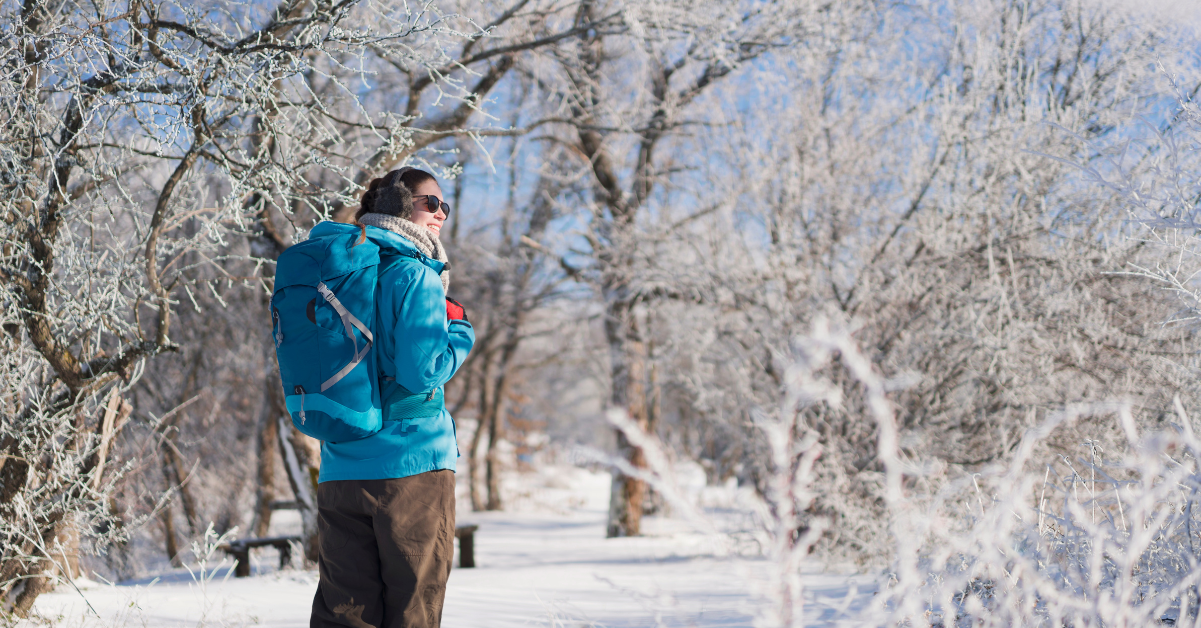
(28, 572)
(627, 495)
(64, 555)
(627, 361)
(28, 590)
(36, 579)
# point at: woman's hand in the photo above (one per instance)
(455, 310)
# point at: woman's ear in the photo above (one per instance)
(394, 199)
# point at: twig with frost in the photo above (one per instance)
(205, 571)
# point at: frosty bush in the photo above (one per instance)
(1087, 537)
(1085, 540)
(1155, 173)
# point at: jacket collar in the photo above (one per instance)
(391, 243)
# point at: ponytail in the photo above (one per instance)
(367, 202)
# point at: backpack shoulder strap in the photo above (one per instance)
(348, 320)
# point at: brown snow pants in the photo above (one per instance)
(386, 550)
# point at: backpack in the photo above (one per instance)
(322, 310)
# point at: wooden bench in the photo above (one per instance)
(466, 535)
(240, 550)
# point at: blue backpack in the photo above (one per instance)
(321, 316)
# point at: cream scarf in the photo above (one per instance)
(422, 238)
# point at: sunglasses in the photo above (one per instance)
(433, 204)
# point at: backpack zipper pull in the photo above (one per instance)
(279, 331)
(300, 390)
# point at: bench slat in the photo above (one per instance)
(240, 550)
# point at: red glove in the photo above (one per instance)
(454, 310)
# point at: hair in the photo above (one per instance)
(408, 178)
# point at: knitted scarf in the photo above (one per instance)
(422, 238)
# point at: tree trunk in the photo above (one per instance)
(118, 558)
(492, 464)
(35, 582)
(65, 553)
(496, 412)
(172, 463)
(302, 478)
(265, 448)
(272, 406)
(28, 590)
(654, 502)
(167, 518)
(173, 469)
(473, 456)
(173, 477)
(627, 495)
(627, 361)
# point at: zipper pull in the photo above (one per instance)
(300, 390)
(279, 332)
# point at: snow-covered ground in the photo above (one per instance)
(544, 563)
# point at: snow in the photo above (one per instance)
(545, 563)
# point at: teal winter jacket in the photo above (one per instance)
(417, 351)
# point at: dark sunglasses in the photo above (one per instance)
(433, 204)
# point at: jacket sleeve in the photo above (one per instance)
(428, 351)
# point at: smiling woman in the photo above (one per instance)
(389, 204)
(386, 502)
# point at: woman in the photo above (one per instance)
(386, 503)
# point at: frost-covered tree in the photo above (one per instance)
(623, 96)
(152, 151)
(923, 189)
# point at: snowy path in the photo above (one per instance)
(533, 569)
(536, 566)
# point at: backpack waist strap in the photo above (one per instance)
(403, 404)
